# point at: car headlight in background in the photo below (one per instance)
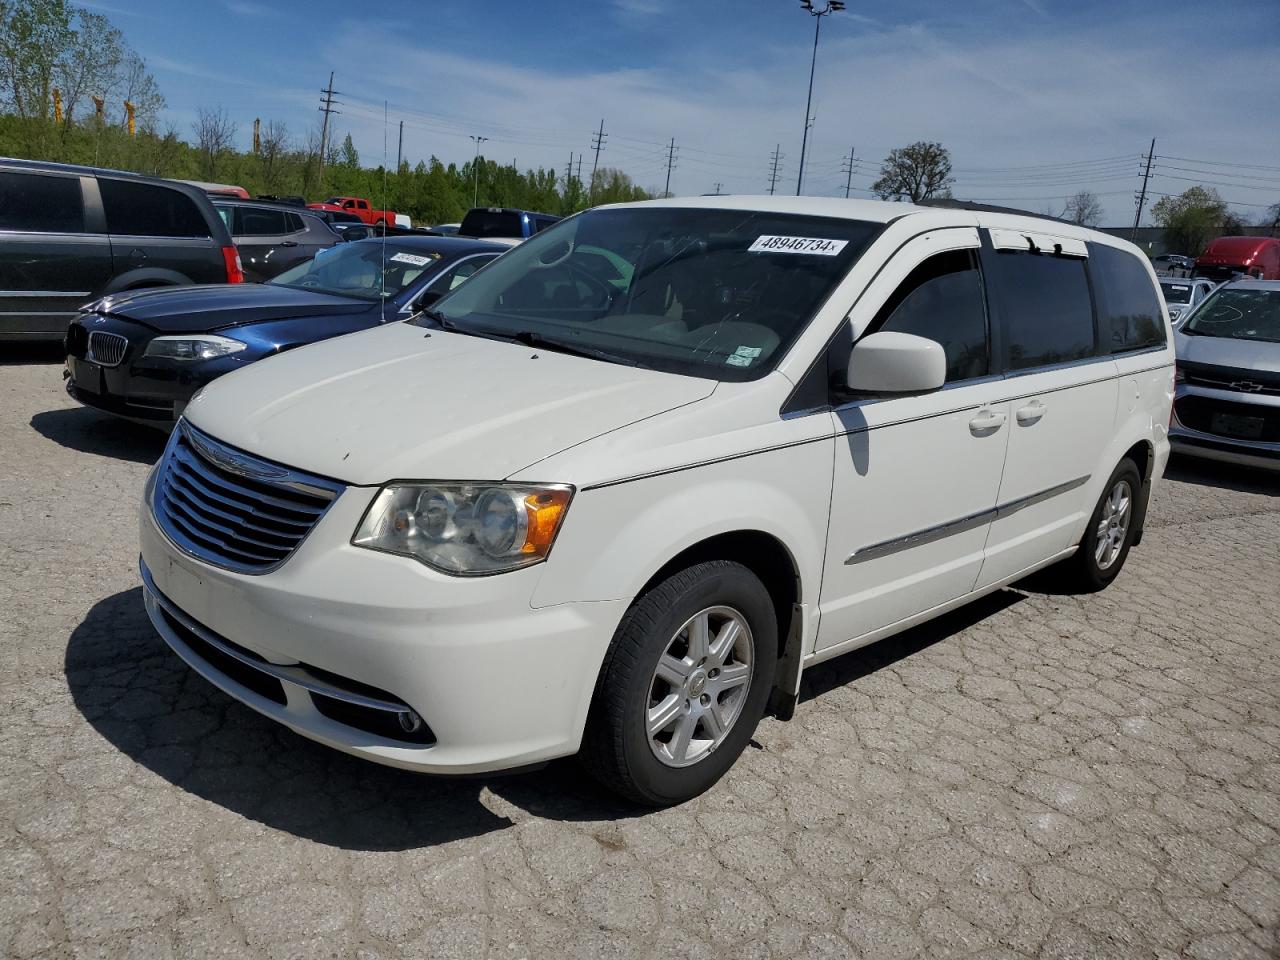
(197, 347)
(467, 529)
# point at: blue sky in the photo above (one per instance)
(1036, 99)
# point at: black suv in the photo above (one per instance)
(272, 237)
(70, 234)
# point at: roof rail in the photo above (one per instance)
(953, 204)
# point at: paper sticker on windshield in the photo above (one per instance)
(814, 246)
(411, 258)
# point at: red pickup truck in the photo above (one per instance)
(357, 205)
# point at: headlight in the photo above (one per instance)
(199, 347)
(466, 529)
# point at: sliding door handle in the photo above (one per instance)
(986, 421)
(1031, 413)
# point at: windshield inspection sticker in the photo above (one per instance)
(743, 356)
(411, 258)
(815, 246)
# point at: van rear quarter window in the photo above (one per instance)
(1128, 308)
(1046, 308)
(37, 203)
(146, 210)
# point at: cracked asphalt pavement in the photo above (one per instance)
(1036, 776)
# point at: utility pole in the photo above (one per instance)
(671, 161)
(1142, 197)
(599, 139)
(833, 6)
(475, 165)
(847, 167)
(773, 172)
(579, 168)
(327, 104)
(400, 148)
(718, 186)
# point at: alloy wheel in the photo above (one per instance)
(699, 686)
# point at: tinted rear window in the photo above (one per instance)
(486, 223)
(39, 203)
(148, 210)
(1128, 308)
(1047, 309)
(259, 223)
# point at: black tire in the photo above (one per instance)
(616, 748)
(1083, 571)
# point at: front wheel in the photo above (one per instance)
(684, 684)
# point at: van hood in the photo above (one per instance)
(203, 308)
(402, 402)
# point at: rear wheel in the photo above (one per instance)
(684, 684)
(1109, 535)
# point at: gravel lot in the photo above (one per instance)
(1036, 776)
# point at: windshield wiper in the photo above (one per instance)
(531, 338)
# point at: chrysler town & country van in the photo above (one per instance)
(616, 492)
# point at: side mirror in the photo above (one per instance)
(896, 363)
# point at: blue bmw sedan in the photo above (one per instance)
(143, 354)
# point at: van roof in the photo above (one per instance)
(887, 211)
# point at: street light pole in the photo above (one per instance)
(833, 6)
(475, 164)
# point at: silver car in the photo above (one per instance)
(1184, 295)
(1227, 402)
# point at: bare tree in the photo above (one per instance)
(273, 146)
(1083, 209)
(1272, 219)
(214, 134)
(915, 172)
(140, 89)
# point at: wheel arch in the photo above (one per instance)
(146, 277)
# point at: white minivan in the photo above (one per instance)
(615, 493)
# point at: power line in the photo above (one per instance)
(1220, 163)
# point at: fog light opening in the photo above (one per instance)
(410, 722)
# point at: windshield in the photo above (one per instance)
(711, 293)
(1239, 313)
(356, 270)
(1176, 292)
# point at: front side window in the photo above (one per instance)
(942, 300)
(1239, 314)
(366, 271)
(709, 293)
(37, 203)
(1128, 309)
(1046, 308)
(149, 210)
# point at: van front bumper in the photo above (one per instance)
(346, 646)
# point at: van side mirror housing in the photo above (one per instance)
(888, 362)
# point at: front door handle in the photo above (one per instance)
(1031, 413)
(289, 243)
(986, 420)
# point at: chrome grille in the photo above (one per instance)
(232, 509)
(106, 349)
